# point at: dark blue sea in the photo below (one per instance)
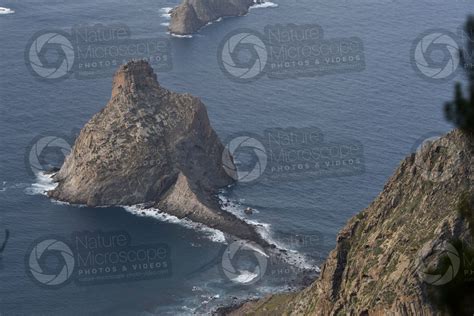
(387, 107)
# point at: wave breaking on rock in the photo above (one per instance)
(150, 146)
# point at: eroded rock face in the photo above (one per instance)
(149, 145)
(376, 268)
(192, 15)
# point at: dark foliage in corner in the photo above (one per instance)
(460, 111)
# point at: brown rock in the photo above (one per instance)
(150, 145)
(192, 15)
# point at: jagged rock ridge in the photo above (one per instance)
(192, 15)
(381, 254)
(150, 145)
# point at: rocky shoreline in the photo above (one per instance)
(150, 146)
(192, 15)
(237, 306)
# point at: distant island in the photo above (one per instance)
(150, 146)
(190, 16)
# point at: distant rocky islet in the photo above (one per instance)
(192, 15)
(150, 146)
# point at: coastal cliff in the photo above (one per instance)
(192, 15)
(150, 145)
(387, 258)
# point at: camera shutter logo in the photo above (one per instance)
(232, 148)
(454, 264)
(228, 57)
(423, 48)
(42, 144)
(53, 42)
(43, 248)
(242, 276)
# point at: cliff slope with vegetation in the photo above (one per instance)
(408, 252)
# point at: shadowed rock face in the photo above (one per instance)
(149, 145)
(192, 15)
(380, 256)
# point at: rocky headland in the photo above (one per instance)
(150, 146)
(409, 253)
(192, 15)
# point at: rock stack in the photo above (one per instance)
(150, 145)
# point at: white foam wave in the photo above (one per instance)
(264, 5)
(180, 36)
(165, 24)
(213, 234)
(290, 256)
(44, 183)
(215, 21)
(166, 12)
(66, 203)
(6, 11)
(245, 276)
(209, 299)
(264, 229)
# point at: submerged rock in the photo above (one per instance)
(192, 15)
(150, 145)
